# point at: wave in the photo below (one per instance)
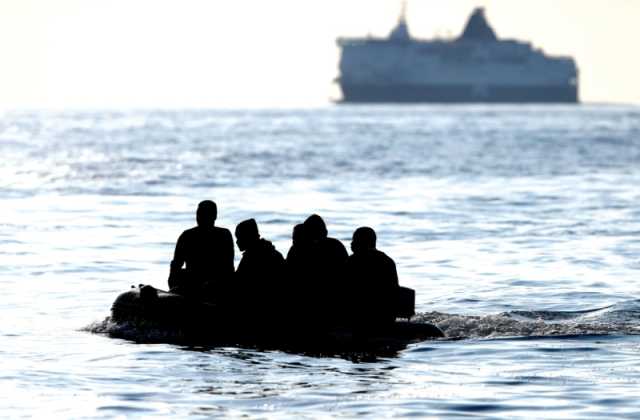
(136, 332)
(619, 319)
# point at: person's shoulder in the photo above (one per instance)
(335, 243)
(222, 231)
(268, 247)
(189, 232)
(277, 255)
(356, 258)
(382, 256)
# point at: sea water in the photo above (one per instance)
(518, 227)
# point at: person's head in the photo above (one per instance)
(207, 213)
(247, 234)
(297, 236)
(364, 238)
(314, 228)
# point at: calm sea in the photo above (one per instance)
(519, 228)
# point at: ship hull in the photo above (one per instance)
(357, 93)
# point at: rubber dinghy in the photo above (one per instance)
(148, 308)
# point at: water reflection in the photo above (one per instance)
(256, 355)
(253, 374)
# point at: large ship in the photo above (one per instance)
(476, 66)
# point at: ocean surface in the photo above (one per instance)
(518, 226)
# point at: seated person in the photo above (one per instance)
(206, 251)
(328, 254)
(371, 280)
(298, 254)
(259, 278)
(297, 241)
(320, 273)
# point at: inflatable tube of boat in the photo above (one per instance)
(146, 305)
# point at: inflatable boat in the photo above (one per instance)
(194, 321)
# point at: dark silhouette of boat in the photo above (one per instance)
(194, 321)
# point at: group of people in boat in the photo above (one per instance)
(317, 280)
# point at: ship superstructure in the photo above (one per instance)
(477, 66)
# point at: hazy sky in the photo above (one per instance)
(174, 53)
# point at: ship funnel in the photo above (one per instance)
(478, 29)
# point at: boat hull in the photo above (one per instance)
(406, 93)
(187, 320)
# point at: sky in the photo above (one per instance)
(277, 53)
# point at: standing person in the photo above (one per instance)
(371, 281)
(260, 276)
(206, 252)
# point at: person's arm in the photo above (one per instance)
(393, 274)
(241, 271)
(178, 255)
(175, 275)
(229, 249)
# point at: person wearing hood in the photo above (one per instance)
(261, 272)
(322, 267)
(298, 256)
(328, 255)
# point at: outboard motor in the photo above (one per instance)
(405, 303)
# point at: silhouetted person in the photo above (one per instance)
(328, 252)
(297, 257)
(260, 276)
(297, 240)
(323, 266)
(371, 280)
(206, 251)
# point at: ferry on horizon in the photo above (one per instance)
(476, 67)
